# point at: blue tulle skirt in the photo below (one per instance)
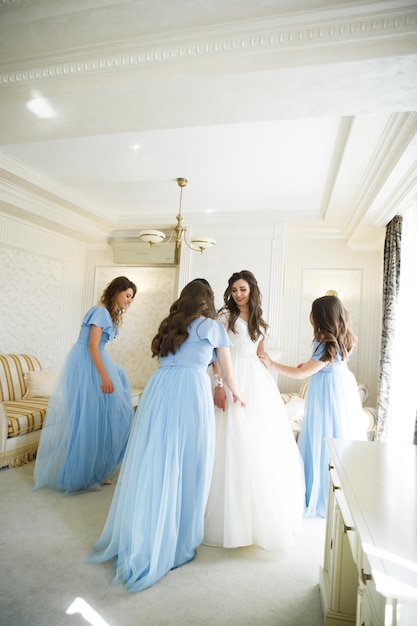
(156, 517)
(332, 410)
(85, 433)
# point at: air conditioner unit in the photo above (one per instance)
(135, 252)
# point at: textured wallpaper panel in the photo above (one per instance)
(312, 266)
(315, 283)
(31, 291)
(156, 292)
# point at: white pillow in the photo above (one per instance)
(295, 408)
(40, 384)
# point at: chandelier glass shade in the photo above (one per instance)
(178, 233)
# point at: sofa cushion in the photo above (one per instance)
(24, 416)
(39, 384)
(295, 409)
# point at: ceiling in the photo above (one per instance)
(276, 111)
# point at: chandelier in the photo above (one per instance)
(179, 232)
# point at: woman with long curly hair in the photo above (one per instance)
(257, 490)
(89, 414)
(156, 518)
(332, 405)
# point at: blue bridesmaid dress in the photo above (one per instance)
(156, 519)
(85, 433)
(332, 410)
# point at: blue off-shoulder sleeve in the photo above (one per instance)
(99, 316)
(214, 332)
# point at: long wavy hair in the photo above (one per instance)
(331, 325)
(109, 295)
(256, 325)
(196, 300)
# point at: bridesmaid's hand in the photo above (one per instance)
(240, 400)
(265, 359)
(107, 385)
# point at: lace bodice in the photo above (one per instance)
(242, 343)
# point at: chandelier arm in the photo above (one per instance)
(189, 244)
(171, 234)
(157, 238)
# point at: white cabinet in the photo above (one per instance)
(371, 605)
(369, 572)
(338, 576)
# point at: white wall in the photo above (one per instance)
(258, 250)
(42, 279)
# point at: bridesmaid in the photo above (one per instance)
(332, 405)
(89, 415)
(156, 519)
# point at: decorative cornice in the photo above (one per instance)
(48, 187)
(343, 133)
(401, 197)
(210, 46)
(400, 130)
(37, 203)
(7, 3)
(322, 233)
(40, 209)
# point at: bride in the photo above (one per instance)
(257, 494)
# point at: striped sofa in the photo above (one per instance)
(21, 418)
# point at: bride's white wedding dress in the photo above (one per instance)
(257, 494)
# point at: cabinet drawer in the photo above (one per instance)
(373, 602)
(348, 525)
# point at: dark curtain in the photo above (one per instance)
(415, 431)
(391, 280)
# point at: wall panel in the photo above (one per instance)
(322, 255)
(156, 292)
(42, 279)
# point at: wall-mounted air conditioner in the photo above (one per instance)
(136, 252)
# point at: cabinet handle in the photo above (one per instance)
(346, 528)
(365, 577)
(330, 466)
(335, 487)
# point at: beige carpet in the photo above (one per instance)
(45, 581)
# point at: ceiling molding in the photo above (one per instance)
(399, 131)
(270, 37)
(307, 231)
(341, 142)
(402, 196)
(38, 209)
(41, 185)
(370, 245)
(7, 3)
